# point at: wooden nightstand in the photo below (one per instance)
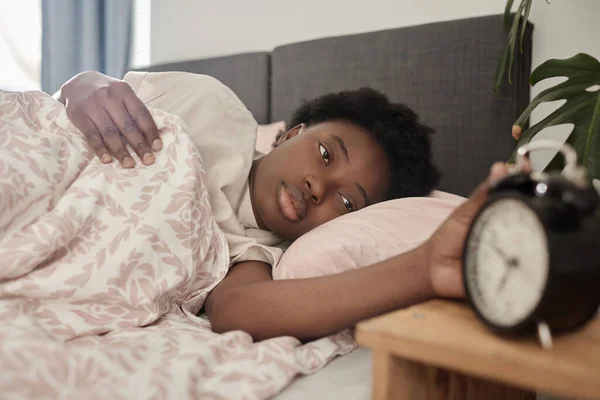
(439, 350)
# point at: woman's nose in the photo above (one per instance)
(316, 188)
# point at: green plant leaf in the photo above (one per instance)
(519, 19)
(501, 69)
(553, 68)
(507, 9)
(578, 139)
(526, 12)
(563, 90)
(582, 109)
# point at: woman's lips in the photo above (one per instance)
(291, 202)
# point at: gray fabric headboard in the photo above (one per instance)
(445, 71)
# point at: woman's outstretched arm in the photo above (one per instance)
(249, 300)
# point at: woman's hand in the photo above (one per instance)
(110, 115)
(444, 250)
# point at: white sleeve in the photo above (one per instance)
(224, 132)
(258, 252)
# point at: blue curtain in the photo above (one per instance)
(83, 35)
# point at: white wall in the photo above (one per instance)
(209, 28)
(188, 29)
(20, 45)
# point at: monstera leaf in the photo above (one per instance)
(580, 90)
(582, 108)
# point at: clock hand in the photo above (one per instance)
(500, 252)
(503, 280)
(511, 264)
(495, 247)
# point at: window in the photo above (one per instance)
(20, 44)
(140, 40)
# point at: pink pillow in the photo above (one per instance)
(265, 136)
(366, 237)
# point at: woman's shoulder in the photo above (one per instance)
(149, 85)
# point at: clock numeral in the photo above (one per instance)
(472, 277)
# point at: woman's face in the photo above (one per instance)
(315, 174)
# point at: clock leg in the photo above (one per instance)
(395, 378)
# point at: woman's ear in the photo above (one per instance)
(285, 136)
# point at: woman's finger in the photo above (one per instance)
(129, 129)
(94, 141)
(498, 171)
(91, 134)
(113, 139)
(143, 119)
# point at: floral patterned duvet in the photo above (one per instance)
(103, 270)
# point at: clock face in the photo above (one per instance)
(506, 262)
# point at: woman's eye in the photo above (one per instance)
(324, 154)
(347, 204)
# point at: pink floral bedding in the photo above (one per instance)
(103, 270)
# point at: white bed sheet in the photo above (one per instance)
(347, 377)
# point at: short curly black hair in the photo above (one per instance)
(396, 127)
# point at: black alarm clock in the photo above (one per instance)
(532, 255)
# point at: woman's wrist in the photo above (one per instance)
(422, 274)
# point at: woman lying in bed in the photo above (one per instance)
(345, 151)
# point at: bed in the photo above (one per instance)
(443, 70)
